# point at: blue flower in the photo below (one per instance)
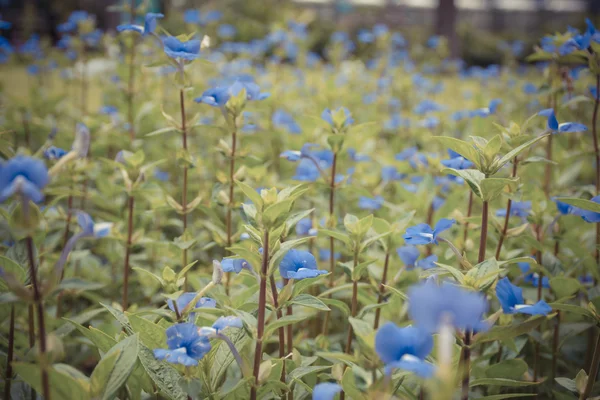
(517, 209)
(532, 277)
(284, 120)
(235, 265)
(220, 95)
(185, 298)
(587, 215)
(325, 255)
(365, 36)
(161, 175)
(432, 306)
(191, 16)
(4, 24)
(404, 348)
(54, 153)
(511, 300)
(175, 48)
(427, 106)
(390, 173)
(226, 31)
(304, 227)
(530, 88)
(424, 234)
(563, 208)
(413, 156)
(325, 391)
(357, 157)
(299, 264)
(327, 116)
(227, 322)
(427, 262)
(25, 176)
(367, 203)
(149, 27)
(408, 255)
(565, 127)
(186, 345)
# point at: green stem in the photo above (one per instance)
(382, 289)
(484, 230)
(593, 371)
(230, 203)
(281, 330)
(331, 240)
(262, 305)
(507, 217)
(8, 376)
(127, 253)
(185, 182)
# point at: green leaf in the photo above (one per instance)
(564, 287)
(507, 369)
(79, 284)
(463, 148)
(302, 285)
(515, 152)
(300, 372)
(349, 386)
(581, 203)
(100, 339)
(493, 187)
(309, 301)
(567, 383)
(507, 396)
(340, 305)
(485, 273)
(252, 194)
(151, 335)
(459, 276)
(284, 321)
(500, 382)
(336, 235)
(363, 330)
(509, 331)
(164, 376)
(13, 268)
(272, 213)
(473, 178)
(114, 368)
(576, 100)
(221, 357)
(572, 308)
(62, 385)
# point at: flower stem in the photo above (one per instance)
(466, 365)
(262, 301)
(8, 376)
(331, 240)
(38, 301)
(127, 252)
(131, 77)
(536, 350)
(185, 179)
(593, 371)
(484, 230)
(31, 333)
(382, 289)
(507, 217)
(281, 330)
(469, 211)
(597, 157)
(230, 204)
(354, 310)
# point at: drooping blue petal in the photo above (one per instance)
(419, 367)
(229, 321)
(325, 391)
(304, 273)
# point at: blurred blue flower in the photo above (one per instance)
(404, 348)
(414, 157)
(186, 345)
(511, 300)
(530, 88)
(357, 157)
(431, 306)
(587, 215)
(325, 255)
(565, 127)
(191, 16)
(326, 115)
(424, 234)
(390, 173)
(299, 264)
(367, 203)
(456, 161)
(408, 255)
(25, 176)
(427, 262)
(325, 391)
(283, 120)
(427, 106)
(185, 298)
(220, 95)
(563, 208)
(235, 265)
(90, 228)
(533, 277)
(226, 31)
(54, 153)
(227, 322)
(175, 48)
(304, 227)
(4, 24)
(149, 27)
(517, 209)
(365, 36)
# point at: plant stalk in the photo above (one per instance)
(382, 289)
(507, 217)
(8, 376)
(331, 240)
(127, 252)
(262, 301)
(231, 202)
(185, 182)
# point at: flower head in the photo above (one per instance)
(404, 348)
(186, 345)
(533, 277)
(517, 209)
(339, 118)
(511, 299)
(24, 176)
(87, 225)
(424, 234)
(456, 161)
(284, 120)
(299, 264)
(54, 153)
(149, 27)
(304, 227)
(432, 306)
(227, 322)
(235, 265)
(367, 203)
(176, 48)
(587, 215)
(325, 391)
(220, 95)
(565, 127)
(185, 298)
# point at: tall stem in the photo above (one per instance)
(8, 376)
(354, 310)
(381, 289)
(593, 371)
(231, 203)
(331, 240)
(597, 157)
(84, 82)
(469, 211)
(127, 252)
(262, 301)
(466, 365)
(38, 301)
(31, 334)
(507, 217)
(281, 331)
(185, 181)
(536, 350)
(131, 77)
(484, 230)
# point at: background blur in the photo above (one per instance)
(474, 27)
